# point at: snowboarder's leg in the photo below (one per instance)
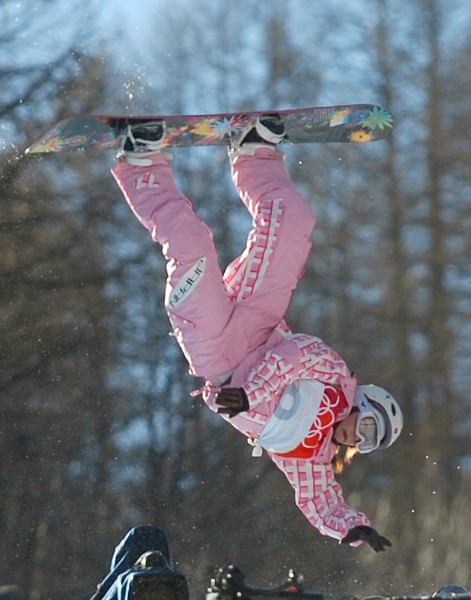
(263, 278)
(196, 299)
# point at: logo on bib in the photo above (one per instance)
(293, 417)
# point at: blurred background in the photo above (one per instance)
(97, 429)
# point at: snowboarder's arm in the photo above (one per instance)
(320, 498)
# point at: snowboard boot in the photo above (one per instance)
(268, 130)
(141, 142)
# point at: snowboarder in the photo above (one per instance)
(288, 393)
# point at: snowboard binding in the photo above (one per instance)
(144, 137)
(267, 129)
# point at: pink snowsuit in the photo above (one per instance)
(231, 326)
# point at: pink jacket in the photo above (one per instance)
(300, 356)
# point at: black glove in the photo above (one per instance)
(368, 535)
(232, 401)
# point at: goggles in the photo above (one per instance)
(367, 431)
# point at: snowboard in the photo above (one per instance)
(344, 123)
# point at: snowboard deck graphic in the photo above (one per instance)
(343, 123)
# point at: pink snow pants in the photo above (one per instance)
(220, 319)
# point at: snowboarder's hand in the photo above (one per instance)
(232, 401)
(369, 535)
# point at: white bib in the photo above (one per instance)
(293, 417)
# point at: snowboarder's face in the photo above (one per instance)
(345, 431)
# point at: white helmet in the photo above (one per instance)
(377, 402)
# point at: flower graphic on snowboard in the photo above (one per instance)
(379, 118)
